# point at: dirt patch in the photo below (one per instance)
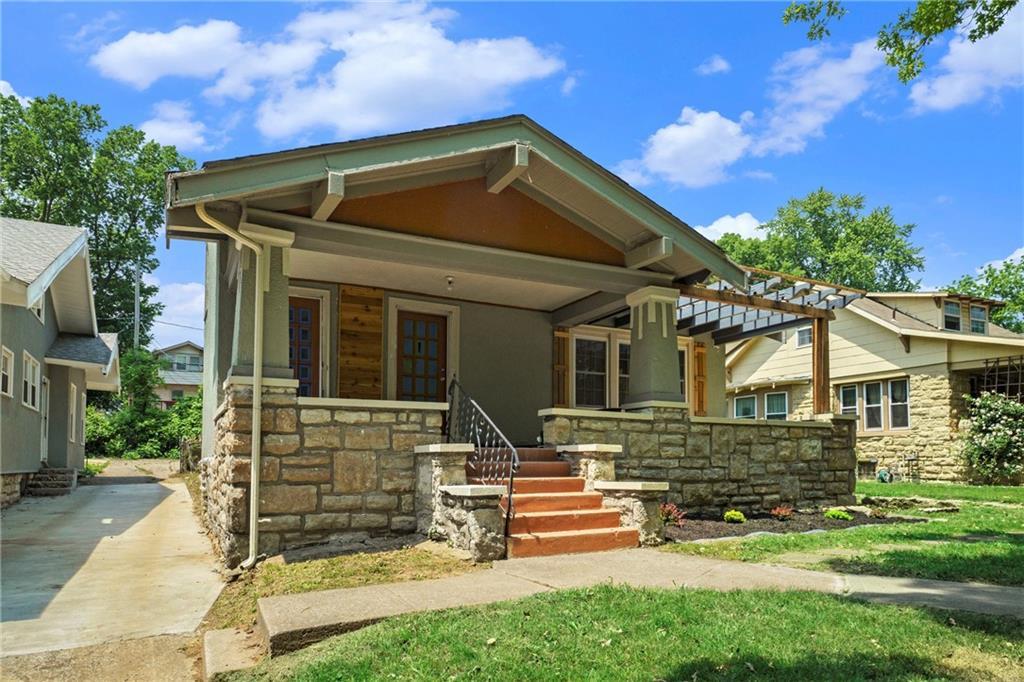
(155, 659)
(702, 529)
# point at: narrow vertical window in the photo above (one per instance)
(979, 318)
(7, 373)
(591, 373)
(848, 399)
(873, 406)
(744, 407)
(899, 404)
(682, 373)
(623, 373)
(72, 412)
(29, 381)
(776, 406)
(951, 316)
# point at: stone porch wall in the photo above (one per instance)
(717, 464)
(11, 488)
(327, 472)
(934, 436)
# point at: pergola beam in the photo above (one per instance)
(753, 301)
(509, 166)
(327, 195)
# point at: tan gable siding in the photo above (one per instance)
(857, 347)
(975, 352)
(923, 308)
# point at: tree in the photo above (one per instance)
(830, 237)
(904, 40)
(55, 166)
(1004, 282)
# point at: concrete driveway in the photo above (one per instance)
(120, 558)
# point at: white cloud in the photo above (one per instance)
(759, 175)
(970, 72)
(744, 224)
(1016, 256)
(568, 85)
(95, 32)
(393, 53)
(695, 151)
(7, 90)
(173, 124)
(810, 89)
(182, 317)
(384, 56)
(716, 63)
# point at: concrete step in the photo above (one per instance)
(549, 502)
(549, 522)
(228, 651)
(572, 542)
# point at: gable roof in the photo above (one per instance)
(558, 176)
(181, 378)
(899, 322)
(176, 346)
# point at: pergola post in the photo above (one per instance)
(819, 366)
(653, 346)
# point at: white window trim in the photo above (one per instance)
(450, 312)
(609, 365)
(785, 413)
(880, 405)
(797, 336)
(72, 411)
(38, 309)
(324, 297)
(971, 320)
(889, 411)
(856, 398)
(8, 355)
(25, 355)
(735, 406)
(959, 316)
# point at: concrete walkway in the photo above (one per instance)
(107, 562)
(293, 621)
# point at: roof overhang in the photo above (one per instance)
(100, 375)
(939, 334)
(508, 152)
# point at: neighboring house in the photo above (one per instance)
(374, 276)
(900, 362)
(184, 375)
(51, 352)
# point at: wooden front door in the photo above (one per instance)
(422, 354)
(304, 343)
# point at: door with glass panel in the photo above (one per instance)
(421, 358)
(304, 343)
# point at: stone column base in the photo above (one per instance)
(591, 462)
(637, 502)
(437, 465)
(470, 518)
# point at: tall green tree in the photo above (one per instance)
(903, 41)
(60, 164)
(831, 237)
(1004, 282)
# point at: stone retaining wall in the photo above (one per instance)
(327, 472)
(11, 486)
(717, 464)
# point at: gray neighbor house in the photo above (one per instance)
(395, 325)
(50, 355)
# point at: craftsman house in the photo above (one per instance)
(466, 303)
(50, 355)
(901, 363)
(183, 374)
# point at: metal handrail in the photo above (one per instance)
(494, 458)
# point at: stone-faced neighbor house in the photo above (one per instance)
(371, 287)
(901, 364)
(50, 354)
(184, 373)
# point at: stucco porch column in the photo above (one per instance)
(653, 347)
(275, 305)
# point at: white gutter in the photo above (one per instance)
(257, 377)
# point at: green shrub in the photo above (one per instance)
(994, 451)
(99, 431)
(839, 514)
(734, 516)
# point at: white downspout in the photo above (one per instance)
(257, 377)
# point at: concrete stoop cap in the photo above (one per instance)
(228, 651)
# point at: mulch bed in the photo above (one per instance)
(699, 529)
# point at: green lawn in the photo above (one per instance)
(980, 543)
(944, 491)
(620, 633)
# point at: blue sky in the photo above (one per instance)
(718, 111)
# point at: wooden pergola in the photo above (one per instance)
(773, 302)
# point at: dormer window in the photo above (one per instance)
(951, 316)
(979, 319)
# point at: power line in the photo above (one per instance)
(170, 324)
